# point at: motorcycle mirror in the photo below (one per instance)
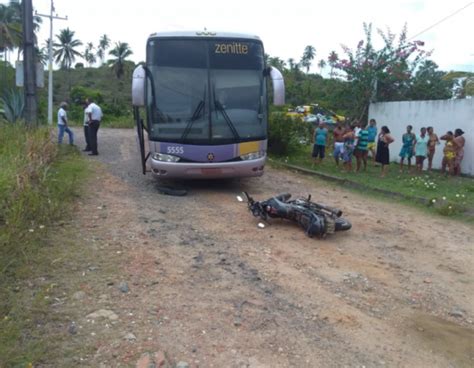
(240, 199)
(261, 225)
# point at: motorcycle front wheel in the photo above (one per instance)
(342, 224)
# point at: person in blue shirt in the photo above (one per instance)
(372, 145)
(408, 145)
(320, 139)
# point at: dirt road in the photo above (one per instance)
(194, 278)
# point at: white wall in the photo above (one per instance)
(442, 115)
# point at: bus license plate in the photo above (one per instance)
(211, 171)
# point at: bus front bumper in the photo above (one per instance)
(188, 170)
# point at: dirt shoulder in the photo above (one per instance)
(194, 278)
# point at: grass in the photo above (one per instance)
(122, 122)
(451, 196)
(119, 122)
(38, 183)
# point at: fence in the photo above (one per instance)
(442, 115)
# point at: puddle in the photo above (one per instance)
(454, 342)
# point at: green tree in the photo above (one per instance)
(16, 11)
(332, 60)
(428, 83)
(10, 28)
(89, 55)
(463, 83)
(104, 43)
(293, 65)
(120, 52)
(42, 55)
(384, 74)
(10, 38)
(65, 50)
(277, 63)
(321, 65)
(308, 56)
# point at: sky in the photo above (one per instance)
(284, 27)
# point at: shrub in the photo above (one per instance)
(12, 104)
(80, 93)
(286, 135)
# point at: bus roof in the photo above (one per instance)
(202, 34)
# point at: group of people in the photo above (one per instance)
(92, 117)
(359, 139)
(423, 146)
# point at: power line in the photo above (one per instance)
(442, 20)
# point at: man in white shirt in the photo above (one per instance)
(62, 124)
(94, 114)
(86, 128)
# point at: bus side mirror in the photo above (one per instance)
(278, 86)
(138, 86)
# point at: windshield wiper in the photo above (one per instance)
(231, 125)
(149, 75)
(197, 112)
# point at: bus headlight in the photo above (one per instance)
(252, 155)
(165, 158)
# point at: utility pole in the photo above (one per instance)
(29, 69)
(50, 58)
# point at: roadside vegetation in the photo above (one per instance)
(38, 183)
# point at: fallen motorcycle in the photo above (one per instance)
(315, 219)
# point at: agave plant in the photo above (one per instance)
(12, 104)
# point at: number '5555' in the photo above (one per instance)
(175, 149)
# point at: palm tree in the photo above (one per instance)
(121, 51)
(10, 35)
(277, 63)
(42, 54)
(10, 28)
(65, 50)
(293, 66)
(332, 60)
(308, 55)
(104, 43)
(321, 65)
(89, 55)
(16, 8)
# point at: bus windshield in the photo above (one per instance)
(206, 91)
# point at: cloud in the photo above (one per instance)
(286, 28)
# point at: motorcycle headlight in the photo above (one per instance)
(165, 158)
(252, 155)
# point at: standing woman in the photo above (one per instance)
(459, 142)
(421, 149)
(408, 143)
(383, 154)
(434, 140)
(349, 143)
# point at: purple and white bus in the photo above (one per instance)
(205, 96)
